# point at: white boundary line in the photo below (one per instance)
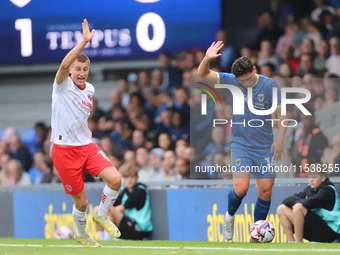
(178, 248)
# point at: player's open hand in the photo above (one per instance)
(213, 50)
(278, 148)
(86, 31)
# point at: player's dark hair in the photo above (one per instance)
(241, 66)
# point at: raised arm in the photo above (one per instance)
(63, 70)
(204, 67)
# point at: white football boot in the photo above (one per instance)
(228, 228)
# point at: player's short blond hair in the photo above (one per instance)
(129, 170)
(82, 58)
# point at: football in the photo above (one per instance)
(262, 232)
(64, 232)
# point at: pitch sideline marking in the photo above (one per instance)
(177, 248)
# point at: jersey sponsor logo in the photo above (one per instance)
(238, 162)
(69, 187)
(89, 97)
(260, 97)
(20, 3)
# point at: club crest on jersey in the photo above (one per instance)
(20, 3)
(238, 162)
(89, 97)
(260, 97)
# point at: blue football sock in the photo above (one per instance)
(234, 202)
(261, 209)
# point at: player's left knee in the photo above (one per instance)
(298, 207)
(115, 182)
(266, 194)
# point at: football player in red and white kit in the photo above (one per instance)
(73, 151)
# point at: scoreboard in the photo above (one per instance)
(43, 31)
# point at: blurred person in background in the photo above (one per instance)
(4, 171)
(165, 142)
(172, 75)
(130, 158)
(228, 52)
(106, 144)
(156, 156)
(306, 65)
(146, 171)
(17, 175)
(333, 62)
(287, 39)
(124, 91)
(321, 58)
(138, 139)
(310, 146)
(266, 55)
(20, 152)
(334, 157)
(331, 96)
(268, 69)
(182, 167)
(41, 130)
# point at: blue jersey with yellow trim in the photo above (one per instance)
(262, 100)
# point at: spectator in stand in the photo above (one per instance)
(182, 167)
(121, 135)
(180, 150)
(138, 139)
(18, 151)
(266, 55)
(246, 51)
(335, 154)
(189, 60)
(130, 158)
(333, 62)
(314, 33)
(165, 142)
(228, 53)
(96, 110)
(269, 30)
(268, 70)
(157, 79)
(8, 134)
(321, 5)
(306, 65)
(178, 128)
(288, 57)
(331, 96)
(4, 171)
(4, 147)
(310, 146)
(321, 58)
(307, 46)
(319, 103)
(37, 172)
(40, 129)
(301, 33)
(117, 159)
(172, 75)
(168, 166)
(328, 21)
(286, 71)
(156, 156)
(146, 171)
(287, 39)
(93, 123)
(133, 84)
(106, 144)
(124, 91)
(199, 55)
(144, 82)
(17, 175)
(218, 143)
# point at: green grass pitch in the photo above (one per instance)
(11, 246)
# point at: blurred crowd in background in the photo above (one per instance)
(148, 122)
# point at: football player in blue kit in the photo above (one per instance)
(251, 147)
